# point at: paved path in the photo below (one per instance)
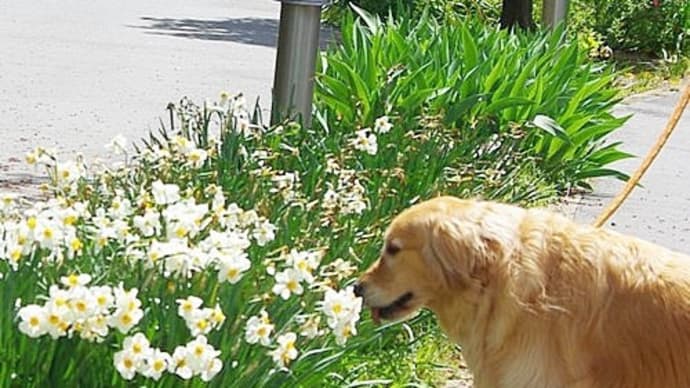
(660, 210)
(74, 73)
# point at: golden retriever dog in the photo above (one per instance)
(536, 300)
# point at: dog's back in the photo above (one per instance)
(615, 309)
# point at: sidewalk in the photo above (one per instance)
(660, 210)
(75, 73)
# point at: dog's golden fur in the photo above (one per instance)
(536, 300)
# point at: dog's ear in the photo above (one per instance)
(460, 251)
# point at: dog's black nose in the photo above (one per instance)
(359, 289)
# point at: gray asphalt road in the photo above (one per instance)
(75, 73)
(660, 210)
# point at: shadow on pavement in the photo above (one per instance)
(247, 30)
(253, 31)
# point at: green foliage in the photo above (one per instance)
(634, 25)
(487, 10)
(477, 83)
(248, 163)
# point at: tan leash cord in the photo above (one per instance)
(653, 152)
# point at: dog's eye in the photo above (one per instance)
(391, 249)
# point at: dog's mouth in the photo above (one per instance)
(391, 310)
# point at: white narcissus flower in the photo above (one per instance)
(217, 316)
(210, 369)
(56, 324)
(344, 331)
(82, 304)
(199, 352)
(120, 208)
(33, 320)
(165, 194)
(310, 327)
(187, 307)
(75, 280)
(128, 312)
(259, 329)
(342, 309)
(180, 363)
(200, 322)
(156, 363)
(137, 346)
(330, 199)
(304, 263)
(286, 351)
(103, 296)
(264, 233)
(118, 145)
(197, 157)
(365, 140)
(382, 125)
(48, 234)
(149, 223)
(287, 283)
(232, 267)
(182, 144)
(126, 364)
(124, 320)
(95, 328)
(68, 172)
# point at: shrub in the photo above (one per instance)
(487, 10)
(647, 27)
(479, 84)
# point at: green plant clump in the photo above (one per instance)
(478, 84)
(651, 28)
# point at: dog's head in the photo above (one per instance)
(433, 250)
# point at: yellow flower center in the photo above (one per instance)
(136, 348)
(80, 305)
(126, 319)
(31, 223)
(198, 350)
(181, 231)
(218, 316)
(128, 363)
(73, 280)
(337, 308)
(76, 244)
(34, 321)
(202, 324)
(292, 285)
(53, 319)
(101, 300)
(233, 272)
(262, 331)
(158, 365)
(16, 254)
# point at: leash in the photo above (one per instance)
(651, 155)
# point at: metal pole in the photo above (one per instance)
(298, 44)
(554, 12)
